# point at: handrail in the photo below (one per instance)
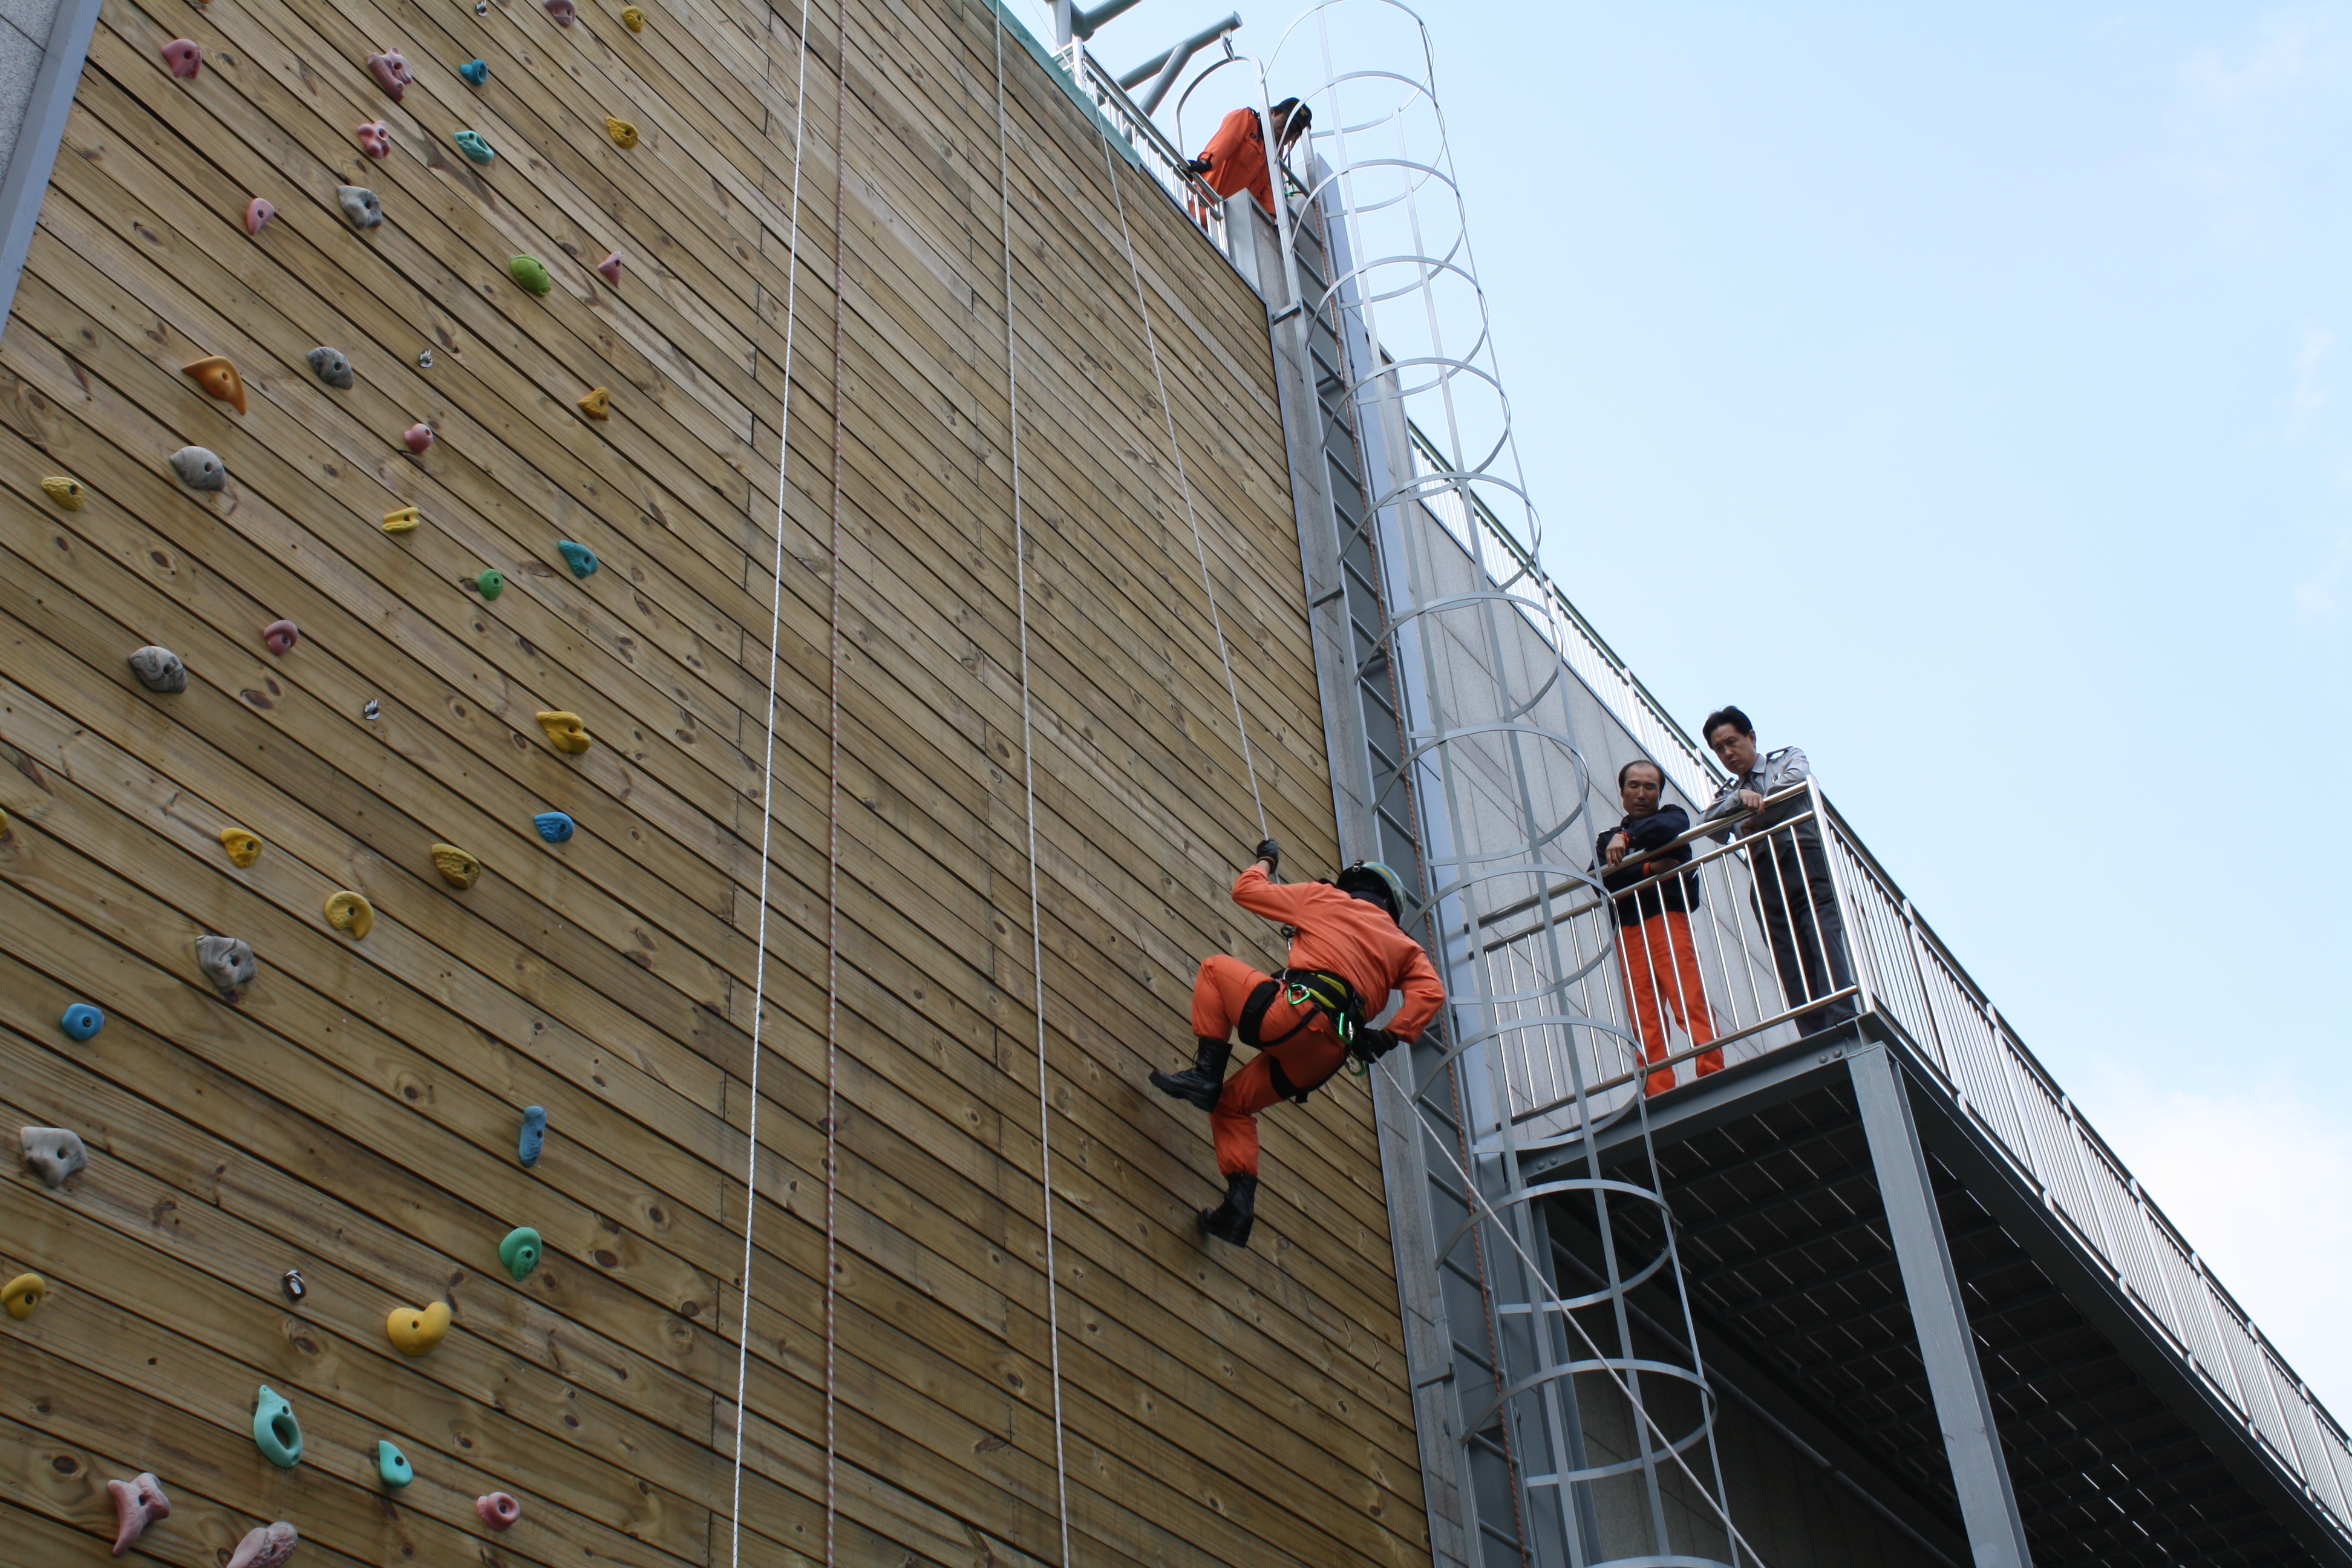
(1147, 144)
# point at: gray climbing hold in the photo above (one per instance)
(330, 366)
(362, 205)
(266, 1546)
(160, 669)
(579, 557)
(53, 1153)
(392, 1466)
(82, 1021)
(228, 962)
(199, 468)
(554, 825)
(534, 1134)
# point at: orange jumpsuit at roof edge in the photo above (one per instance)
(1341, 934)
(1237, 158)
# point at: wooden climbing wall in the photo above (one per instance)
(354, 1113)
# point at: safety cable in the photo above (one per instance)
(833, 794)
(767, 801)
(1029, 788)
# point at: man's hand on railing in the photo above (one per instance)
(1196, 166)
(1751, 800)
(1617, 847)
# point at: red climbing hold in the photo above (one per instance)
(391, 69)
(257, 212)
(498, 1510)
(375, 139)
(184, 56)
(419, 437)
(611, 267)
(282, 637)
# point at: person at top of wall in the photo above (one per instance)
(1234, 159)
(1654, 949)
(1350, 952)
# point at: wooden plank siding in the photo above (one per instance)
(355, 1113)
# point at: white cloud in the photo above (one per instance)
(2292, 48)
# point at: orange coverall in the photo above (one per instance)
(1236, 156)
(1350, 938)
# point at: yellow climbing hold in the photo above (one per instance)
(458, 869)
(413, 1331)
(633, 17)
(243, 848)
(624, 134)
(598, 405)
(565, 732)
(405, 520)
(351, 914)
(23, 1294)
(66, 492)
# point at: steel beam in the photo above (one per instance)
(1947, 1347)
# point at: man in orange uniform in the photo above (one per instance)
(1350, 952)
(1234, 159)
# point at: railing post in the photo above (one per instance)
(1928, 999)
(1833, 852)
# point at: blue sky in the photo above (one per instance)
(1987, 368)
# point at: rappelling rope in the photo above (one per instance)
(833, 794)
(1029, 789)
(767, 820)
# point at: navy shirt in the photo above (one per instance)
(1680, 894)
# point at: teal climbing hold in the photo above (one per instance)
(472, 144)
(519, 1252)
(391, 1465)
(82, 1021)
(276, 1432)
(579, 557)
(476, 72)
(533, 274)
(534, 1134)
(554, 825)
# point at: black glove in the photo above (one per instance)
(1370, 1045)
(1270, 851)
(1197, 166)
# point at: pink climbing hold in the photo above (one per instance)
(498, 1510)
(611, 267)
(186, 57)
(562, 11)
(280, 636)
(137, 1504)
(257, 212)
(419, 437)
(266, 1546)
(391, 69)
(375, 139)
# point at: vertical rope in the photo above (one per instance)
(832, 806)
(767, 801)
(1029, 788)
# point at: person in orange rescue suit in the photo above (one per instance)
(1234, 159)
(1349, 954)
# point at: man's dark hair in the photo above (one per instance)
(1727, 714)
(1641, 763)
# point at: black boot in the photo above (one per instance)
(1231, 1220)
(1206, 1079)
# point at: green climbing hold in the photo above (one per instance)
(519, 1252)
(393, 1465)
(579, 557)
(490, 583)
(275, 1431)
(472, 144)
(532, 273)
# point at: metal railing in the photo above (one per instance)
(1158, 156)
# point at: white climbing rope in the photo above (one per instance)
(832, 803)
(767, 819)
(1029, 789)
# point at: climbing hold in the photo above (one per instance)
(257, 212)
(472, 144)
(362, 205)
(519, 1252)
(391, 69)
(579, 557)
(405, 520)
(371, 710)
(186, 57)
(219, 379)
(243, 848)
(66, 492)
(476, 72)
(624, 134)
(458, 869)
(53, 1153)
(534, 1134)
(330, 366)
(279, 636)
(160, 669)
(137, 1504)
(554, 825)
(424, 360)
(566, 733)
(292, 1283)
(419, 437)
(633, 17)
(276, 1432)
(82, 1021)
(498, 1510)
(375, 139)
(562, 11)
(266, 1546)
(597, 404)
(228, 962)
(491, 582)
(350, 913)
(611, 267)
(199, 468)
(413, 1331)
(22, 1294)
(532, 273)
(392, 1466)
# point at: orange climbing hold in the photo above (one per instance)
(597, 404)
(219, 379)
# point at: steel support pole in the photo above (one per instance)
(1963, 1409)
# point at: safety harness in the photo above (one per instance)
(1325, 992)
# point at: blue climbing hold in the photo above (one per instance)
(276, 1432)
(554, 825)
(475, 71)
(579, 557)
(393, 1465)
(534, 1134)
(83, 1020)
